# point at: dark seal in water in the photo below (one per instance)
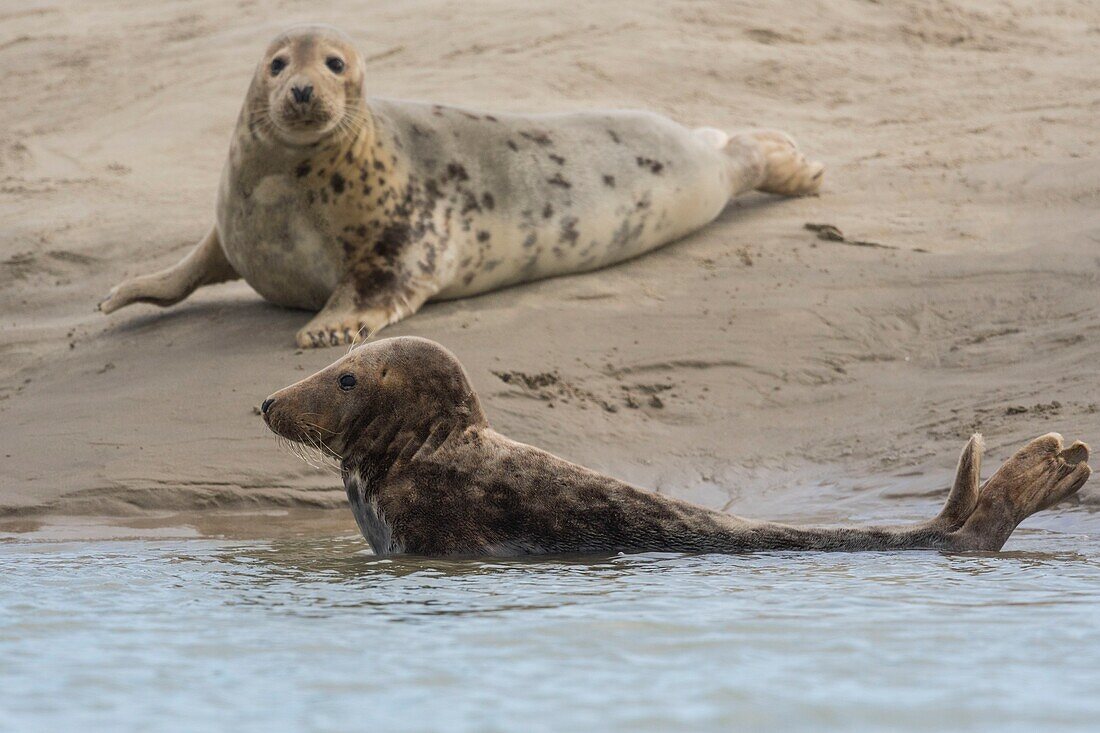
(427, 475)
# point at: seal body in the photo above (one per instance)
(364, 209)
(433, 202)
(492, 199)
(426, 474)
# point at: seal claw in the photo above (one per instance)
(343, 325)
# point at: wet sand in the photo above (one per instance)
(753, 365)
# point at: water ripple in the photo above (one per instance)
(317, 634)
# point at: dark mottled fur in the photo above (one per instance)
(426, 473)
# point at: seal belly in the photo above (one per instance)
(276, 244)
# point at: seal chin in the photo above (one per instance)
(298, 131)
(305, 434)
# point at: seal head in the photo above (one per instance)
(307, 85)
(384, 400)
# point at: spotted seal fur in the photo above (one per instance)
(364, 209)
(426, 474)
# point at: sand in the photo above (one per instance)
(752, 366)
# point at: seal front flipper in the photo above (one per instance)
(204, 265)
(350, 316)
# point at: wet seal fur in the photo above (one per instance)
(366, 209)
(425, 474)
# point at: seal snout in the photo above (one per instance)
(302, 94)
(267, 405)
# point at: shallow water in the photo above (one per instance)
(318, 635)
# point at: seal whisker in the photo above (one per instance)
(296, 449)
(315, 414)
(311, 447)
(323, 458)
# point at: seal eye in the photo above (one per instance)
(335, 65)
(347, 381)
(277, 65)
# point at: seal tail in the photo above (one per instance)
(713, 136)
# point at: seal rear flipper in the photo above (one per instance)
(770, 161)
(1037, 477)
(964, 492)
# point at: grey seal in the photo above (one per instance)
(364, 208)
(425, 474)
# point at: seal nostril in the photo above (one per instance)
(266, 405)
(302, 94)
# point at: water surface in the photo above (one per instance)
(316, 634)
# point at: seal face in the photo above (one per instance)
(426, 474)
(364, 209)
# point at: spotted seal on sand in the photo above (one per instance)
(364, 209)
(426, 475)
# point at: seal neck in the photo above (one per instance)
(392, 449)
(411, 432)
